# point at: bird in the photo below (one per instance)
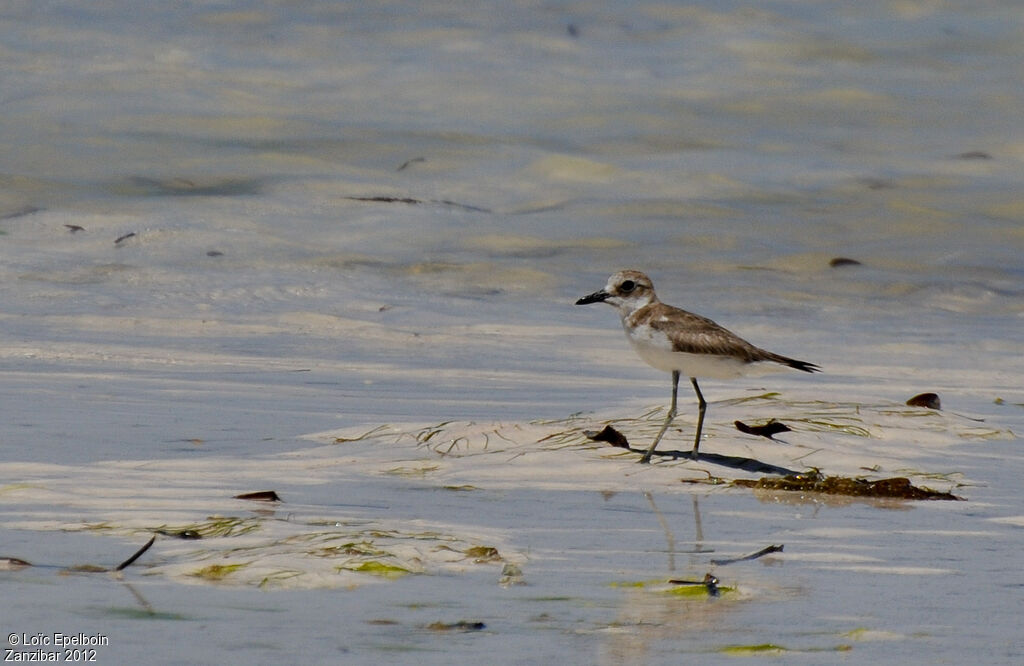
(686, 344)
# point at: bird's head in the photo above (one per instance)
(626, 290)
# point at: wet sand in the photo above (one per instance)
(230, 237)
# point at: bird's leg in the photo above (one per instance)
(646, 458)
(701, 407)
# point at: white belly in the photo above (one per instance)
(691, 365)
(655, 349)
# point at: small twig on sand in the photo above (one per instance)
(753, 556)
(710, 582)
(137, 554)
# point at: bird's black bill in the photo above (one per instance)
(596, 297)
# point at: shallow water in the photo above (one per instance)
(348, 216)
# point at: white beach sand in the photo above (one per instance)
(331, 250)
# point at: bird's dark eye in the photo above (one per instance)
(627, 286)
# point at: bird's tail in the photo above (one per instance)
(795, 364)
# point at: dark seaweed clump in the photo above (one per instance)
(896, 487)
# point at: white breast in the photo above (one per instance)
(655, 349)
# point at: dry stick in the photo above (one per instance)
(137, 554)
(752, 556)
(709, 582)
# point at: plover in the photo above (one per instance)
(681, 342)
